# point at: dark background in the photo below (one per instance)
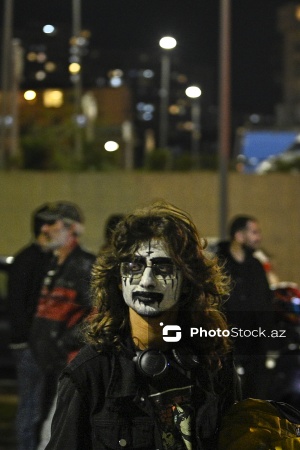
(139, 24)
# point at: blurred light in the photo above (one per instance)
(240, 370)
(40, 75)
(167, 42)
(9, 259)
(140, 106)
(297, 12)
(270, 363)
(293, 346)
(50, 66)
(147, 116)
(295, 300)
(181, 78)
(118, 73)
(74, 68)
(8, 121)
(74, 59)
(148, 107)
(193, 92)
(115, 82)
(111, 146)
(174, 110)
(85, 33)
(185, 126)
(52, 98)
(41, 57)
(148, 73)
(81, 41)
(75, 78)
(31, 56)
(48, 29)
(255, 118)
(253, 161)
(29, 95)
(80, 120)
(74, 50)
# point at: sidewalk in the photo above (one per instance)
(8, 407)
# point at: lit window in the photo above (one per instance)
(53, 98)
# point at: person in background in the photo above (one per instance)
(142, 381)
(249, 306)
(109, 229)
(24, 283)
(64, 300)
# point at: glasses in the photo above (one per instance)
(135, 270)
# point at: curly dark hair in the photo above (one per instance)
(205, 284)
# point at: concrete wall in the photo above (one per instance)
(273, 198)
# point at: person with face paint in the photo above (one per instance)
(137, 384)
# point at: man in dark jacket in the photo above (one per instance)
(64, 300)
(24, 283)
(143, 382)
(249, 308)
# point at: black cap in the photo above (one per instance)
(66, 211)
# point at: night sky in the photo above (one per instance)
(139, 24)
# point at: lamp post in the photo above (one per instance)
(194, 92)
(76, 24)
(5, 76)
(224, 110)
(166, 43)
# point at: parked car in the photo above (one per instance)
(7, 366)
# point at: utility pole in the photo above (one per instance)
(77, 80)
(224, 111)
(5, 77)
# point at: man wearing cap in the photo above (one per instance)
(64, 300)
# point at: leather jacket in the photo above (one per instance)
(103, 404)
(64, 302)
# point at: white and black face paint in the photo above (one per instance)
(151, 283)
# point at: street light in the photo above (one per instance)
(224, 109)
(166, 43)
(194, 92)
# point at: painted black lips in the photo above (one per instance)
(147, 297)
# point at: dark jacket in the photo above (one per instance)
(24, 284)
(103, 404)
(64, 302)
(249, 306)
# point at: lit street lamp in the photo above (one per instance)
(194, 93)
(166, 43)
